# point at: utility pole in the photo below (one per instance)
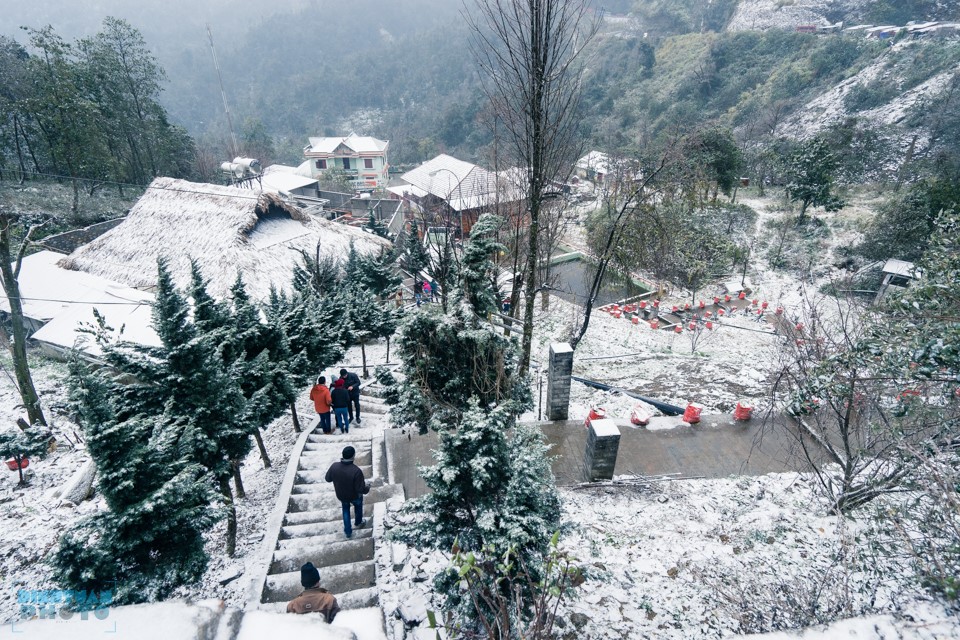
(223, 94)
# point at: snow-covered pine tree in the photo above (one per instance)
(492, 495)
(368, 319)
(449, 359)
(478, 272)
(375, 226)
(377, 274)
(18, 443)
(150, 541)
(416, 258)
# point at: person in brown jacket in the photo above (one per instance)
(320, 395)
(314, 598)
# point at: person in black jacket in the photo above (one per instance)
(352, 382)
(350, 487)
(340, 398)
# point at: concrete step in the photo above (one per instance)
(316, 461)
(323, 445)
(313, 481)
(320, 541)
(330, 514)
(283, 587)
(326, 499)
(344, 551)
(312, 529)
(356, 599)
(343, 439)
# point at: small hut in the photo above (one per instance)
(225, 230)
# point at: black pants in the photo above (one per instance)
(354, 406)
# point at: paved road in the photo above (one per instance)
(715, 448)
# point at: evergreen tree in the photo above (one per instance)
(416, 259)
(810, 173)
(314, 330)
(150, 541)
(492, 496)
(478, 272)
(449, 359)
(375, 226)
(377, 274)
(24, 443)
(368, 319)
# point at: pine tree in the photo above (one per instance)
(478, 272)
(375, 226)
(368, 319)
(416, 259)
(449, 359)
(492, 495)
(314, 330)
(24, 443)
(150, 541)
(377, 274)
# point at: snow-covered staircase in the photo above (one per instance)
(307, 525)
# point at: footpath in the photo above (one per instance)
(307, 524)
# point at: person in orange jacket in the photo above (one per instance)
(320, 395)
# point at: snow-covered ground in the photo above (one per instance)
(683, 559)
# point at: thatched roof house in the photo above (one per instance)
(225, 230)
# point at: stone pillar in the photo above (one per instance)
(558, 381)
(603, 442)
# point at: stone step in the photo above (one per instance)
(356, 599)
(283, 587)
(313, 481)
(326, 499)
(319, 541)
(335, 448)
(312, 529)
(318, 462)
(331, 514)
(344, 551)
(342, 439)
(323, 445)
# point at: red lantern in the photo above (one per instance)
(596, 413)
(635, 320)
(686, 306)
(709, 325)
(743, 411)
(678, 329)
(675, 308)
(742, 296)
(691, 414)
(799, 326)
(779, 311)
(643, 304)
(654, 324)
(656, 303)
(692, 326)
(14, 466)
(707, 314)
(716, 299)
(764, 304)
(702, 304)
(720, 312)
(726, 298)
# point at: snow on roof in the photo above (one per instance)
(596, 161)
(404, 190)
(900, 268)
(358, 144)
(133, 323)
(278, 177)
(46, 289)
(224, 229)
(462, 184)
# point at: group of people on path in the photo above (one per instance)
(350, 486)
(342, 400)
(423, 290)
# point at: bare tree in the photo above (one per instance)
(10, 271)
(527, 51)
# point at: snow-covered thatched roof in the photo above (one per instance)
(225, 230)
(462, 184)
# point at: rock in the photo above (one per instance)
(400, 554)
(579, 620)
(420, 576)
(662, 499)
(80, 485)
(255, 537)
(229, 574)
(413, 611)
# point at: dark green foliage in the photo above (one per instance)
(313, 328)
(903, 226)
(810, 171)
(478, 272)
(449, 359)
(376, 274)
(416, 258)
(375, 226)
(17, 444)
(151, 540)
(320, 273)
(713, 161)
(492, 492)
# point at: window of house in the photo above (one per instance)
(346, 163)
(368, 163)
(321, 164)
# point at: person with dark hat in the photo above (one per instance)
(314, 598)
(340, 398)
(352, 382)
(350, 487)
